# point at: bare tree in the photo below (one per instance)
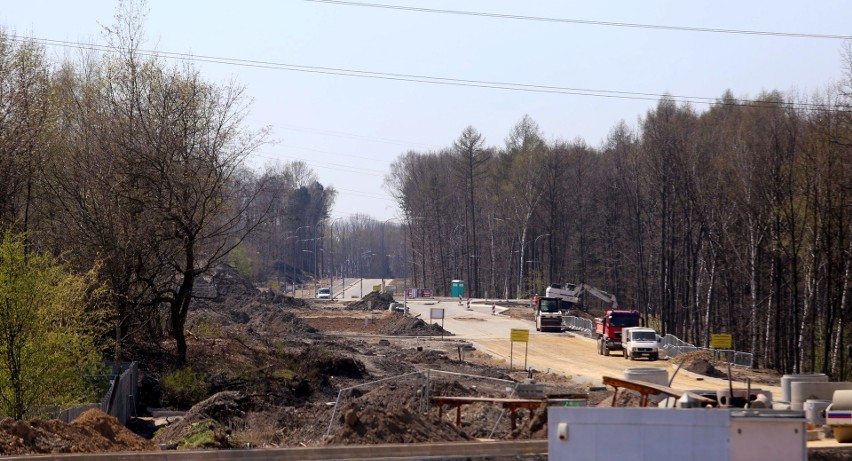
(470, 162)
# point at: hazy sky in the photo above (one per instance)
(349, 129)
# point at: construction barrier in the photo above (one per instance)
(573, 323)
(674, 346)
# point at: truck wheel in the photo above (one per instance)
(654, 357)
(632, 357)
(605, 350)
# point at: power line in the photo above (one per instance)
(414, 78)
(588, 22)
(324, 165)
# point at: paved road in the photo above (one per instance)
(564, 353)
(355, 287)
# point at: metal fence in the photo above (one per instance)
(573, 323)
(119, 401)
(674, 346)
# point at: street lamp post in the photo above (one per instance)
(534, 259)
(384, 258)
(315, 276)
(362, 269)
(331, 256)
(317, 270)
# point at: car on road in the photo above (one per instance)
(324, 293)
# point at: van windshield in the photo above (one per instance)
(323, 291)
(644, 336)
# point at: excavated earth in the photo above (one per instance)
(284, 372)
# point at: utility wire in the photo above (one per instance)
(587, 22)
(414, 78)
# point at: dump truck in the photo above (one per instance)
(608, 329)
(548, 315)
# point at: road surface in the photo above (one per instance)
(565, 353)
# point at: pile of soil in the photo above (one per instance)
(401, 325)
(93, 432)
(217, 416)
(700, 362)
(372, 300)
(372, 425)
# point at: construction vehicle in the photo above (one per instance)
(608, 329)
(640, 342)
(570, 294)
(565, 292)
(548, 315)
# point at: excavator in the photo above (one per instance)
(570, 294)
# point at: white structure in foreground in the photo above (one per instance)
(653, 434)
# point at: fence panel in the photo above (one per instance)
(573, 323)
(674, 346)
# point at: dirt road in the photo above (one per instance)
(564, 353)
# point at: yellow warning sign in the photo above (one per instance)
(519, 335)
(721, 341)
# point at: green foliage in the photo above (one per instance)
(240, 260)
(209, 433)
(48, 327)
(206, 328)
(284, 374)
(96, 381)
(183, 388)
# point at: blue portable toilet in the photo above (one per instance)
(457, 288)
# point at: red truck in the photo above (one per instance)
(608, 329)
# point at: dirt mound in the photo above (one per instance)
(257, 315)
(700, 362)
(223, 282)
(277, 323)
(93, 432)
(401, 325)
(324, 363)
(373, 300)
(209, 423)
(371, 425)
(625, 398)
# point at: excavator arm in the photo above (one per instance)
(598, 293)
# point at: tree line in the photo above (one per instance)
(735, 219)
(119, 163)
(132, 172)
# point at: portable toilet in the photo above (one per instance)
(457, 288)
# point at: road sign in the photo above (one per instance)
(437, 313)
(721, 341)
(519, 335)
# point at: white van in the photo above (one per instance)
(640, 342)
(324, 293)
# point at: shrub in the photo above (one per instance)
(183, 388)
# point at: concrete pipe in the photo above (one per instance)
(758, 398)
(786, 380)
(815, 411)
(649, 375)
(802, 391)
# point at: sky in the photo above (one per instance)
(350, 129)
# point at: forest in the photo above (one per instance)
(730, 219)
(727, 218)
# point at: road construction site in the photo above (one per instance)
(308, 374)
